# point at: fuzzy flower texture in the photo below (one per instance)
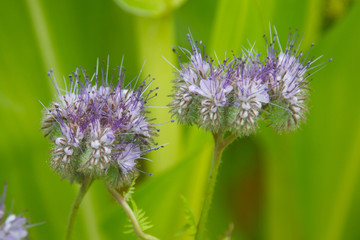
(99, 129)
(234, 94)
(12, 227)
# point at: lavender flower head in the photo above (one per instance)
(12, 227)
(237, 93)
(202, 89)
(292, 70)
(99, 129)
(250, 93)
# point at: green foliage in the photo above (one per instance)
(280, 116)
(142, 219)
(128, 194)
(190, 224)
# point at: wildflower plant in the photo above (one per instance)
(12, 227)
(100, 130)
(230, 97)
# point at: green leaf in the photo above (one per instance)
(141, 218)
(190, 224)
(130, 191)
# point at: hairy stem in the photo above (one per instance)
(137, 228)
(220, 145)
(83, 190)
(228, 140)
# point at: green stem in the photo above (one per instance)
(137, 228)
(220, 145)
(83, 190)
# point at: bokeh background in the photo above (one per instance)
(302, 185)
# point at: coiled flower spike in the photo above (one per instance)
(100, 130)
(288, 82)
(93, 124)
(201, 89)
(235, 94)
(250, 93)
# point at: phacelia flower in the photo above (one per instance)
(250, 93)
(288, 83)
(201, 90)
(233, 95)
(12, 227)
(94, 124)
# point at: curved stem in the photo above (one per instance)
(228, 140)
(137, 228)
(220, 145)
(83, 190)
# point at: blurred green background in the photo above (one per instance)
(302, 185)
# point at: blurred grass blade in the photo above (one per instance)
(346, 192)
(89, 217)
(314, 21)
(155, 38)
(149, 8)
(144, 8)
(229, 15)
(44, 40)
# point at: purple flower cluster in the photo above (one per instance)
(98, 128)
(233, 95)
(12, 227)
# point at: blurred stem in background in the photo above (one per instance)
(155, 37)
(314, 21)
(231, 15)
(43, 38)
(85, 185)
(219, 145)
(346, 192)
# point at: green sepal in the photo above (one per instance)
(53, 131)
(119, 180)
(279, 116)
(230, 113)
(70, 171)
(193, 115)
